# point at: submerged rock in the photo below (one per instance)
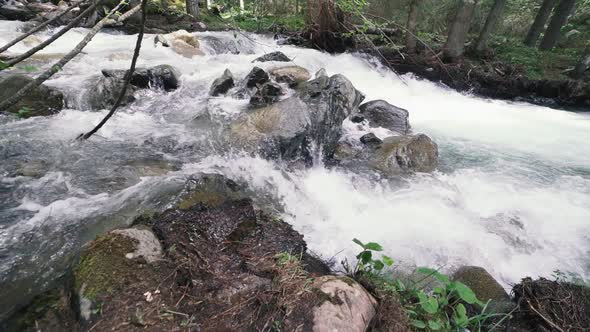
(273, 56)
(41, 101)
(256, 77)
(290, 128)
(105, 92)
(222, 84)
(163, 76)
(380, 113)
(267, 94)
(370, 139)
(400, 154)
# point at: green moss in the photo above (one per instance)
(211, 199)
(103, 265)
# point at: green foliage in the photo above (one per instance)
(249, 22)
(29, 68)
(3, 65)
(24, 112)
(442, 309)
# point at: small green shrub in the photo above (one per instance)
(442, 309)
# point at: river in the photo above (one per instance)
(511, 194)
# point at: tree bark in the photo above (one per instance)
(192, 7)
(455, 45)
(539, 23)
(583, 65)
(491, 22)
(7, 103)
(558, 20)
(241, 6)
(411, 26)
(53, 38)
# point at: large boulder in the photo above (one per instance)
(104, 92)
(291, 128)
(485, 287)
(380, 113)
(163, 76)
(257, 76)
(16, 11)
(41, 101)
(400, 154)
(273, 56)
(222, 84)
(267, 94)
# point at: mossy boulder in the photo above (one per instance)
(41, 101)
(485, 287)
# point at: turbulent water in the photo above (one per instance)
(512, 193)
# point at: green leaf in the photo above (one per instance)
(365, 257)
(378, 265)
(460, 315)
(464, 292)
(29, 68)
(357, 241)
(419, 324)
(434, 325)
(432, 272)
(387, 260)
(3, 65)
(373, 246)
(430, 305)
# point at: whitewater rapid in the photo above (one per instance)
(512, 193)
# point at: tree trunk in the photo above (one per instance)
(539, 23)
(558, 20)
(208, 4)
(241, 6)
(455, 46)
(491, 22)
(296, 7)
(164, 4)
(583, 65)
(411, 26)
(192, 7)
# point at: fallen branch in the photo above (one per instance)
(379, 31)
(127, 76)
(4, 105)
(40, 27)
(53, 38)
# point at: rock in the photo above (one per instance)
(34, 169)
(41, 101)
(288, 74)
(105, 91)
(347, 307)
(183, 43)
(222, 84)
(147, 245)
(160, 39)
(481, 283)
(16, 11)
(382, 114)
(186, 50)
(162, 76)
(256, 77)
(371, 140)
(399, 154)
(273, 56)
(288, 129)
(357, 118)
(267, 94)
(220, 46)
(320, 73)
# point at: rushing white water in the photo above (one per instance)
(512, 193)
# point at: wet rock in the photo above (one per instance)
(160, 39)
(16, 11)
(34, 169)
(183, 43)
(348, 306)
(256, 77)
(399, 154)
(357, 118)
(104, 93)
(371, 140)
(222, 84)
(382, 114)
(163, 76)
(41, 101)
(288, 74)
(320, 73)
(289, 128)
(220, 46)
(482, 283)
(267, 94)
(273, 56)
(147, 245)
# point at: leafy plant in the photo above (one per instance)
(442, 309)
(29, 68)
(366, 263)
(24, 112)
